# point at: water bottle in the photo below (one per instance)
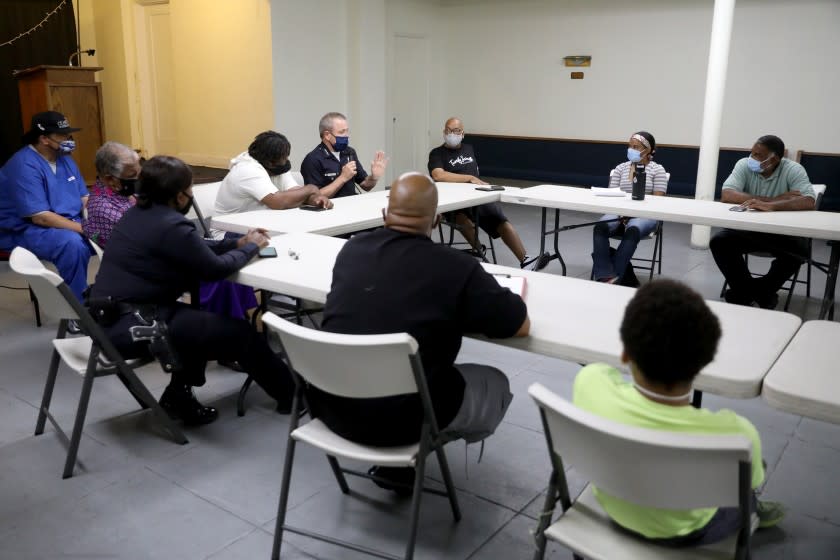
(639, 182)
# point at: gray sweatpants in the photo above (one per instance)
(486, 399)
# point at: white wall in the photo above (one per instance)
(320, 66)
(498, 64)
(648, 69)
(309, 44)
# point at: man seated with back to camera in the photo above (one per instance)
(396, 279)
(669, 334)
(155, 254)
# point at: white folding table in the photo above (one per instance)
(814, 224)
(805, 380)
(572, 319)
(349, 213)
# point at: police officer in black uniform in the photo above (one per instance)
(333, 165)
(155, 254)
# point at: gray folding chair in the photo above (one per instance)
(90, 356)
(363, 367)
(647, 467)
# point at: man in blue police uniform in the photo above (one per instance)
(42, 194)
(333, 165)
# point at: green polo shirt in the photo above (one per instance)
(601, 389)
(788, 176)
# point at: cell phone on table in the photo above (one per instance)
(490, 188)
(313, 208)
(268, 252)
(738, 208)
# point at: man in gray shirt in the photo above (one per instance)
(765, 181)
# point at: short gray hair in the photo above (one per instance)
(112, 157)
(326, 123)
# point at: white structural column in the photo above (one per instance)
(713, 112)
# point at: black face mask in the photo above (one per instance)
(280, 169)
(186, 208)
(127, 186)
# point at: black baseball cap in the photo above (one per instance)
(50, 122)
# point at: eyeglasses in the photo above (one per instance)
(453, 130)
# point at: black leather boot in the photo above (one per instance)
(179, 402)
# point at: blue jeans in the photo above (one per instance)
(604, 266)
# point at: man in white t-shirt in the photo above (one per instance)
(260, 179)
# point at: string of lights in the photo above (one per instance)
(38, 25)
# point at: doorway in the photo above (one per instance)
(155, 73)
(410, 102)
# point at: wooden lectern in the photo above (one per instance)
(70, 90)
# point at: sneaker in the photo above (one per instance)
(541, 262)
(769, 514)
(398, 479)
(535, 263)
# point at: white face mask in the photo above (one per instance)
(453, 140)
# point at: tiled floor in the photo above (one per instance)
(141, 496)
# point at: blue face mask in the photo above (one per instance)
(341, 143)
(755, 165)
(66, 146)
(634, 155)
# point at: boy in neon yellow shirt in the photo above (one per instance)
(669, 335)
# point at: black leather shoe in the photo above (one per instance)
(769, 301)
(396, 479)
(180, 402)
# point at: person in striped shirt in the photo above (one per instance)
(612, 266)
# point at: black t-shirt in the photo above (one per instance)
(385, 282)
(459, 160)
(320, 168)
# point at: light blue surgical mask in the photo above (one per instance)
(66, 146)
(755, 165)
(634, 155)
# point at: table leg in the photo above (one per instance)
(556, 241)
(827, 307)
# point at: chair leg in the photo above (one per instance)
(288, 462)
(240, 400)
(447, 481)
(139, 391)
(34, 301)
(546, 515)
(48, 391)
(339, 475)
(808, 270)
(656, 262)
(792, 286)
(81, 413)
(420, 473)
